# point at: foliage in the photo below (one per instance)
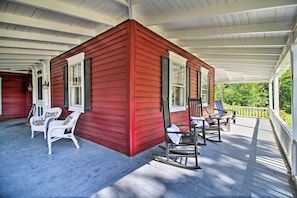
(257, 95)
(285, 90)
(249, 94)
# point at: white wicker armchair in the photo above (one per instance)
(40, 123)
(59, 129)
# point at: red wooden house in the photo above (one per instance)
(15, 98)
(126, 84)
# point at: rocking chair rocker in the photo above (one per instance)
(179, 145)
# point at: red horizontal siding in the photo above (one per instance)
(107, 123)
(126, 87)
(148, 117)
(16, 99)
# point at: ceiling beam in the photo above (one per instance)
(15, 64)
(18, 61)
(33, 45)
(123, 2)
(248, 64)
(238, 61)
(43, 24)
(239, 57)
(70, 10)
(38, 37)
(25, 57)
(5, 50)
(265, 42)
(244, 67)
(240, 51)
(216, 10)
(13, 71)
(230, 30)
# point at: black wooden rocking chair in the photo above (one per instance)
(224, 112)
(179, 145)
(207, 130)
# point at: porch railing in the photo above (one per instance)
(258, 112)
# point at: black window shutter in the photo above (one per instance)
(165, 78)
(66, 101)
(88, 84)
(188, 84)
(208, 87)
(199, 86)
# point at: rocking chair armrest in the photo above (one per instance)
(221, 110)
(226, 110)
(183, 124)
(191, 127)
(186, 133)
(215, 116)
(197, 118)
(177, 132)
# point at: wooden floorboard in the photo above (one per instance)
(247, 163)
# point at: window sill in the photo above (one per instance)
(177, 109)
(76, 108)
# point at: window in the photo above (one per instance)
(177, 81)
(76, 82)
(204, 86)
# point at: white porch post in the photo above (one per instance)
(34, 85)
(46, 84)
(276, 96)
(294, 109)
(270, 95)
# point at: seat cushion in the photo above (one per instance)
(198, 121)
(174, 137)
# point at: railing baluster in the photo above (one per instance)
(258, 112)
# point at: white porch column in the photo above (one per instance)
(34, 85)
(46, 84)
(276, 96)
(294, 108)
(270, 95)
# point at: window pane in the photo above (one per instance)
(204, 88)
(75, 96)
(177, 80)
(178, 96)
(75, 85)
(178, 75)
(75, 75)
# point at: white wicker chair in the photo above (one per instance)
(40, 123)
(59, 129)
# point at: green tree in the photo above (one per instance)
(285, 90)
(245, 94)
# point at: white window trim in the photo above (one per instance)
(73, 60)
(204, 72)
(173, 57)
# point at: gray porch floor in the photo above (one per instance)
(246, 164)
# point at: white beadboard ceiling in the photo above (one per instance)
(245, 40)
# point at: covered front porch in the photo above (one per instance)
(247, 163)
